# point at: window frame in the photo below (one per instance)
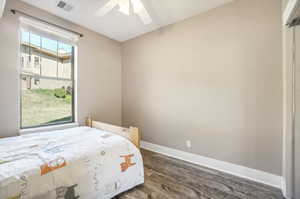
(73, 106)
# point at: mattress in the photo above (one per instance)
(74, 163)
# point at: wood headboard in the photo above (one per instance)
(131, 133)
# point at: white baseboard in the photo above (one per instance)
(233, 169)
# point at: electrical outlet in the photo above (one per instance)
(188, 144)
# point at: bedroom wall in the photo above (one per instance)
(214, 79)
(99, 71)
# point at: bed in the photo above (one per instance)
(95, 161)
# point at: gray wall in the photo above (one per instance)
(99, 71)
(214, 79)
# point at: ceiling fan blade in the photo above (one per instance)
(145, 17)
(124, 6)
(140, 10)
(107, 8)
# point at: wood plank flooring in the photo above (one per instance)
(169, 178)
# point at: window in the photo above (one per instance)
(36, 81)
(28, 60)
(47, 84)
(36, 62)
(22, 61)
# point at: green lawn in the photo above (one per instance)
(42, 107)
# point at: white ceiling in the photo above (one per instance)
(120, 27)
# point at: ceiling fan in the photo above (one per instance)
(127, 7)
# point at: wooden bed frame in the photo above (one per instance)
(131, 133)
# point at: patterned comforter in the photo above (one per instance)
(74, 163)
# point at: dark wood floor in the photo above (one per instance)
(168, 178)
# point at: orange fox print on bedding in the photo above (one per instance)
(53, 165)
(125, 165)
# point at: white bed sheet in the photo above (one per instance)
(74, 163)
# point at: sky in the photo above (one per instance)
(45, 43)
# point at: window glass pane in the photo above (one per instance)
(49, 58)
(45, 101)
(35, 50)
(25, 37)
(25, 50)
(49, 44)
(35, 40)
(46, 81)
(65, 61)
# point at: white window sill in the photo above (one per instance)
(48, 128)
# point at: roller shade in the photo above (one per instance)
(48, 31)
